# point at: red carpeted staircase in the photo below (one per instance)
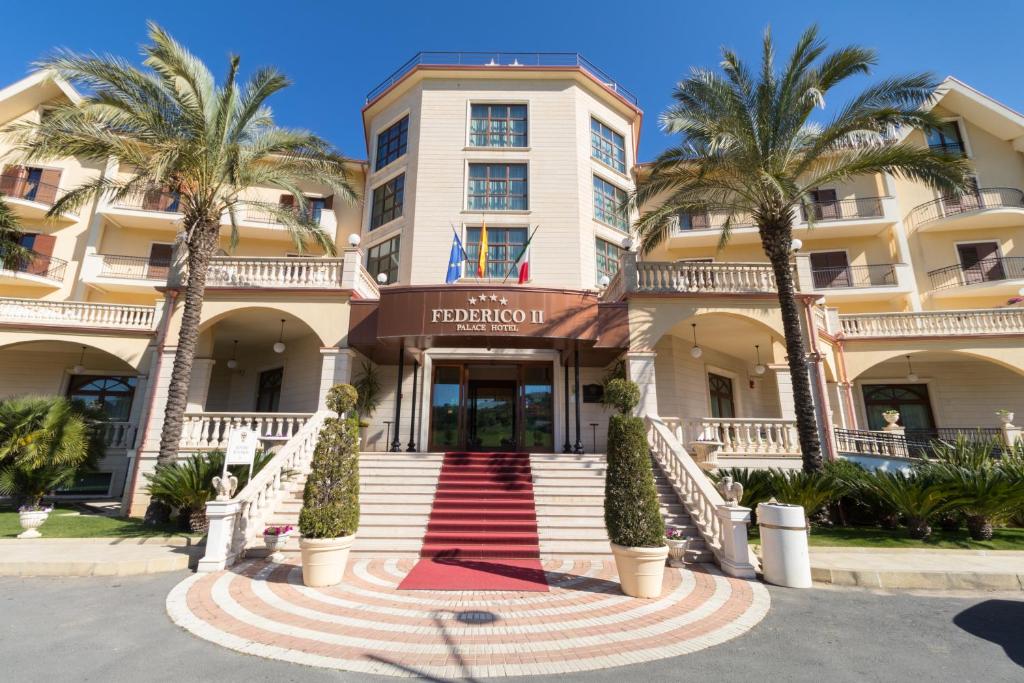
(482, 533)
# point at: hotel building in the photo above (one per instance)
(905, 293)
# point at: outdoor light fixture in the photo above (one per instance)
(382, 278)
(696, 351)
(354, 240)
(759, 368)
(233, 363)
(911, 375)
(795, 245)
(80, 365)
(279, 346)
(604, 282)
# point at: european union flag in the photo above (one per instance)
(455, 260)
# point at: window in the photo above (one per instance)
(824, 205)
(723, 403)
(497, 125)
(609, 204)
(383, 258)
(388, 200)
(609, 257)
(159, 264)
(830, 269)
(498, 187)
(392, 143)
(980, 262)
(911, 400)
(111, 397)
(503, 248)
(607, 146)
(946, 138)
(315, 206)
(693, 221)
(268, 390)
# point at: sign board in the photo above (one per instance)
(242, 443)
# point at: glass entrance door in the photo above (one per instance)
(491, 415)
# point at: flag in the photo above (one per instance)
(481, 260)
(523, 261)
(455, 260)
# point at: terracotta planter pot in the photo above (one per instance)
(324, 560)
(640, 570)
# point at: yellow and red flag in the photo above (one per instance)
(481, 260)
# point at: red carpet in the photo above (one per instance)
(482, 533)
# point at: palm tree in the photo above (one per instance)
(174, 129)
(749, 150)
(13, 253)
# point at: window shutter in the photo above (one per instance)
(43, 246)
(159, 261)
(11, 180)
(287, 200)
(329, 202)
(48, 182)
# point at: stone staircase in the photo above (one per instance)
(397, 490)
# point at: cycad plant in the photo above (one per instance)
(170, 127)
(917, 495)
(811, 490)
(751, 149)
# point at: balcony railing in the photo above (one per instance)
(209, 431)
(844, 209)
(693, 277)
(502, 59)
(152, 200)
(979, 200)
(986, 270)
(118, 435)
(933, 323)
(913, 443)
(34, 263)
(683, 223)
(269, 213)
(743, 436)
(276, 273)
(21, 187)
(134, 267)
(77, 314)
(955, 149)
(845, 277)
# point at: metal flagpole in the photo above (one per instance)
(525, 247)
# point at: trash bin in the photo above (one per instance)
(784, 557)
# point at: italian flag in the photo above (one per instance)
(523, 262)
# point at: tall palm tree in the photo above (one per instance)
(173, 128)
(13, 254)
(750, 150)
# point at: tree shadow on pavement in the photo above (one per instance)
(999, 622)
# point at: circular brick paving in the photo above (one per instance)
(366, 625)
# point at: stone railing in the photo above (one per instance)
(236, 522)
(744, 435)
(78, 314)
(723, 527)
(209, 431)
(118, 435)
(279, 273)
(933, 323)
(697, 277)
(365, 286)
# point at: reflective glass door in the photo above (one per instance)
(445, 406)
(538, 408)
(491, 415)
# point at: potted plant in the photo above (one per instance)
(1005, 416)
(31, 517)
(274, 538)
(891, 417)
(367, 385)
(677, 542)
(632, 514)
(330, 501)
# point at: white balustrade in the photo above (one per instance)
(282, 273)
(696, 277)
(234, 523)
(934, 323)
(209, 431)
(78, 314)
(366, 287)
(724, 531)
(118, 435)
(743, 436)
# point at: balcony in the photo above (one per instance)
(991, 321)
(80, 315)
(112, 272)
(261, 219)
(872, 282)
(31, 199)
(953, 149)
(999, 276)
(204, 431)
(689, 277)
(498, 60)
(151, 210)
(33, 270)
(990, 207)
(275, 273)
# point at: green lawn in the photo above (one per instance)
(870, 537)
(69, 522)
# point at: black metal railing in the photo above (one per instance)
(706, 221)
(267, 212)
(151, 200)
(955, 149)
(913, 443)
(22, 187)
(991, 269)
(873, 275)
(502, 59)
(32, 262)
(135, 267)
(977, 200)
(843, 209)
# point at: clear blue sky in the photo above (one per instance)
(336, 51)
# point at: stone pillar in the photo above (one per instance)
(335, 368)
(578, 446)
(804, 275)
(567, 446)
(396, 441)
(412, 416)
(784, 383)
(222, 516)
(199, 384)
(735, 559)
(1011, 434)
(135, 498)
(640, 369)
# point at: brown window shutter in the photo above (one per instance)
(43, 246)
(10, 182)
(329, 202)
(287, 200)
(151, 199)
(48, 181)
(159, 260)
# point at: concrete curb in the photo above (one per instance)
(174, 541)
(939, 580)
(96, 557)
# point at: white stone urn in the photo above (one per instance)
(324, 560)
(275, 544)
(891, 417)
(31, 520)
(641, 570)
(1006, 416)
(676, 550)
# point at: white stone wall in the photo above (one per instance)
(235, 390)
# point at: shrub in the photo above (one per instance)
(330, 506)
(917, 495)
(622, 395)
(632, 514)
(810, 490)
(368, 387)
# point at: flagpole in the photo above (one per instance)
(525, 247)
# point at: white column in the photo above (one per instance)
(336, 368)
(352, 259)
(640, 369)
(222, 516)
(784, 383)
(148, 440)
(199, 384)
(735, 560)
(804, 275)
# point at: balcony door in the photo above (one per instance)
(268, 390)
(825, 205)
(830, 269)
(980, 262)
(723, 400)
(159, 264)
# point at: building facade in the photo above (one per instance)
(908, 297)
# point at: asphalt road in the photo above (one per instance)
(111, 630)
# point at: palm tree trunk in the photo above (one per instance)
(777, 240)
(200, 250)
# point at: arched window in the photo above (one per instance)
(911, 400)
(111, 396)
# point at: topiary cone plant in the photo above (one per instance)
(631, 512)
(330, 501)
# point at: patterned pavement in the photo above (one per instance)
(366, 625)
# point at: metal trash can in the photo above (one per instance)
(785, 560)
